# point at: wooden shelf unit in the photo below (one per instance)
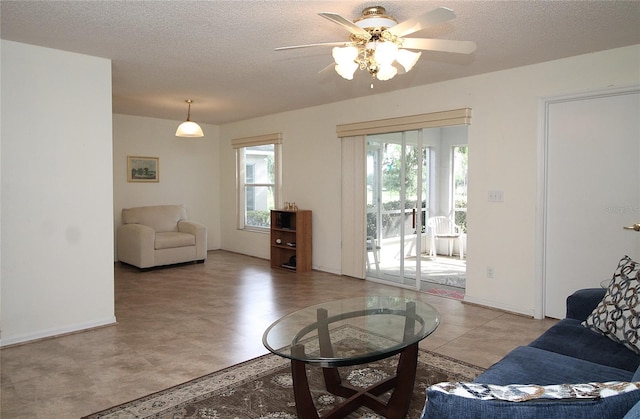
(291, 227)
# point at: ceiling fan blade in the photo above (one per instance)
(409, 26)
(444, 45)
(324, 44)
(347, 24)
(327, 68)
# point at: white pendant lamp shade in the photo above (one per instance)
(189, 128)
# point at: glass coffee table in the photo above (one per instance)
(382, 325)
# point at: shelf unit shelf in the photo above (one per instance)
(291, 227)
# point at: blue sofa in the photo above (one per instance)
(567, 353)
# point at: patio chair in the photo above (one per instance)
(444, 228)
(372, 247)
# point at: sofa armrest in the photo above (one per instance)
(198, 230)
(136, 245)
(582, 302)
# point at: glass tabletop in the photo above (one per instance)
(351, 331)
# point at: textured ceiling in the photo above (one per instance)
(221, 53)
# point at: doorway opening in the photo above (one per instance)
(411, 177)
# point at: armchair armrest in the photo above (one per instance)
(198, 230)
(582, 302)
(136, 245)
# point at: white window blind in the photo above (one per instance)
(406, 123)
(353, 207)
(257, 140)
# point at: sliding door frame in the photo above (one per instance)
(353, 209)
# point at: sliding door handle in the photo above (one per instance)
(635, 227)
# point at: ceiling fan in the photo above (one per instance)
(377, 42)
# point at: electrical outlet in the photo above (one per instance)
(490, 272)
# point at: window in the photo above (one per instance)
(250, 194)
(258, 180)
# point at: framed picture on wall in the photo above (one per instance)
(143, 169)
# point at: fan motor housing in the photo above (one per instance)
(375, 20)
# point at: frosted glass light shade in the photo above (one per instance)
(385, 53)
(386, 72)
(344, 55)
(407, 59)
(189, 129)
(345, 61)
(346, 70)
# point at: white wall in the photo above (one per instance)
(189, 170)
(57, 196)
(311, 177)
(503, 156)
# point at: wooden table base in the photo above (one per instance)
(401, 383)
(396, 408)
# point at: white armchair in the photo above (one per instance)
(160, 235)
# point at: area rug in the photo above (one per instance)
(446, 293)
(262, 388)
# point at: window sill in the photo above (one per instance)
(262, 230)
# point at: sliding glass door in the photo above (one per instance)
(396, 206)
(412, 176)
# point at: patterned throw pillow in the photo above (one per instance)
(617, 316)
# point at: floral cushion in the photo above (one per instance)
(617, 316)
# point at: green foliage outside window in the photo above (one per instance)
(392, 222)
(258, 219)
(461, 162)
(392, 167)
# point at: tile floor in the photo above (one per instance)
(179, 323)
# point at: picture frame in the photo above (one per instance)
(143, 169)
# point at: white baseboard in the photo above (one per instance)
(328, 269)
(499, 306)
(49, 333)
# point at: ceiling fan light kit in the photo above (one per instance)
(189, 128)
(376, 44)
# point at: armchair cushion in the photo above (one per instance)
(170, 239)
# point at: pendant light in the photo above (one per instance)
(189, 128)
